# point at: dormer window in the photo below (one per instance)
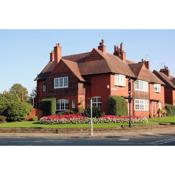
(120, 80)
(61, 82)
(157, 88)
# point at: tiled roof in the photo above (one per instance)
(164, 78)
(73, 66)
(107, 64)
(98, 62)
(142, 73)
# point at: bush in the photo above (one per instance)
(118, 106)
(68, 111)
(170, 109)
(17, 111)
(96, 112)
(48, 106)
(2, 119)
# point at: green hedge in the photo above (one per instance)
(170, 109)
(96, 112)
(118, 106)
(48, 106)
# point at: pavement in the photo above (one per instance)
(153, 137)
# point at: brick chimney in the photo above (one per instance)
(166, 71)
(146, 62)
(52, 57)
(116, 51)
(119, 51)
(57, 53)
(101, 46)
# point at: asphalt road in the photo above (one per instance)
(163, 139)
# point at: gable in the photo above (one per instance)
(62, 69)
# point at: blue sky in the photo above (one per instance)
(23, 53)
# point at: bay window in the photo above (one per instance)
(61, 82)
(120, 80)
(141, 85)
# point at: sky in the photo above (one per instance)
(23, 53)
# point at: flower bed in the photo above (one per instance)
(79, 119)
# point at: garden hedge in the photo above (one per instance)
(170, 109)
(48, 106)
(118, 106)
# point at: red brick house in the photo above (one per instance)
(169, 81)
(97, 74)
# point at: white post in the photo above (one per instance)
(91, 119)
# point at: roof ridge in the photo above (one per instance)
(75, 54)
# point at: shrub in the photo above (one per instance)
(2, 119)
(17, 111)
(68, 111)
(96, 112)
(48, 106)
(170, 109)
(117, 106)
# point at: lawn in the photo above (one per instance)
(34, 124)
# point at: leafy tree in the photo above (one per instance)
(13, 108)
(19, 91)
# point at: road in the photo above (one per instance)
(163, 139)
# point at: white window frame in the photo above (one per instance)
(120, 80)
(140, 85)
(62, 104)
(96, 102)
(157, 88)
(44, 88)
(141, 105)
(73, 104)
(61, 82)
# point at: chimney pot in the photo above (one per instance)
(52, 56)
(101, 46)
(119, 51)
(166, 71)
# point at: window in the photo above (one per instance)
(157, 88)
(141, 85)
(61, 82)
(73, 104)
(141, 105)
(62, 104)
(96, 101)
(120, 80)
(44, 88)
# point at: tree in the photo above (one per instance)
(19, 91)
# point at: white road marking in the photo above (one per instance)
(124, 139)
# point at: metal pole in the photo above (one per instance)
(129, 100)
(92, 133)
